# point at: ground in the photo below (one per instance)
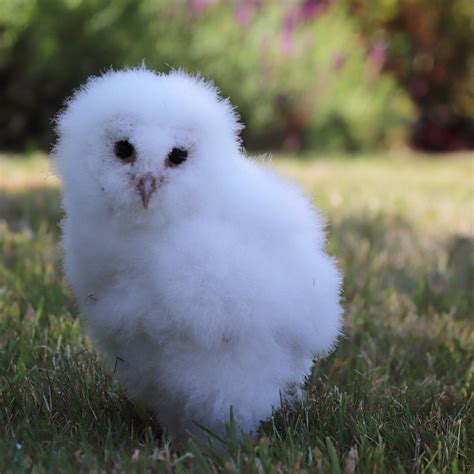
(396, 395)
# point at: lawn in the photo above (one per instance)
(396, 395)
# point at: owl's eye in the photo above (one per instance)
(177, 155)
(124, 151)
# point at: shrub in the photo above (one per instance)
(300, 73)
(430, 47)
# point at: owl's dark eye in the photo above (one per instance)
(177, 155)
(124, 151)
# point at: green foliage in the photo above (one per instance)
(396, 395)
(305, 83)
(300, 79)
(48, 51)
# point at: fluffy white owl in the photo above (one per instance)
(202, 275)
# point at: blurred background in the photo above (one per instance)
(306, 75)
(381, 93)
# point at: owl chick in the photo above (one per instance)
(201, 275)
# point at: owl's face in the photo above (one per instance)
(135, 141)
(135, 158)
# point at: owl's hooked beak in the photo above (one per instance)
(146, 186)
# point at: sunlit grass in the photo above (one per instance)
(19, 173)
(396, 396)
(433, 193)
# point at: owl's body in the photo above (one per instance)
(206, 287)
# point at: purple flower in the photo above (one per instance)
(200, 6)
(378, 53)
(339, 60)
(291, 21)
(312, 9)
(244, 14)
(288, 43)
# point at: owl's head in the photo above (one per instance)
(132, 140)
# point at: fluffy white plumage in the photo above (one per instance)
(219, 292)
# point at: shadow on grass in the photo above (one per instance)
(386, 255)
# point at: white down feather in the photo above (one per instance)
(220, 292)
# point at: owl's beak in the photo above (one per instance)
(146, 187)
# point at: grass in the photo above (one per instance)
(396, 395)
